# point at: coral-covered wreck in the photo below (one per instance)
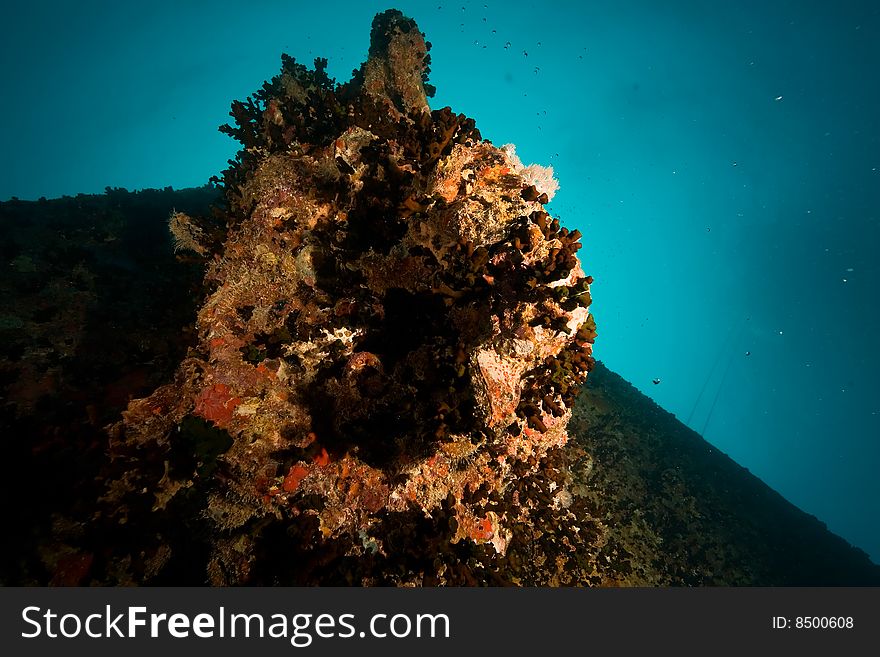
(392, 339)
(360, 369)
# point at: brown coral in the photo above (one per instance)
(395, 329)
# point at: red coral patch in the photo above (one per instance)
(322, 459)
(217, 404)
(294, 478)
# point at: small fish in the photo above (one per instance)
(656, 382)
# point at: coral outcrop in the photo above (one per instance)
(393, 335)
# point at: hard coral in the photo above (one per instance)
(396, 328)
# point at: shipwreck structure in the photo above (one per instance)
(362, 367)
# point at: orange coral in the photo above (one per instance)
(294, 478)
(322, 459)
(217, 404)
(482, 530)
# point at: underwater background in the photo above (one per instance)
(722, 161)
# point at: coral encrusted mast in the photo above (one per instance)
(392, 338)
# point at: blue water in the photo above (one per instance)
(721, 159)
